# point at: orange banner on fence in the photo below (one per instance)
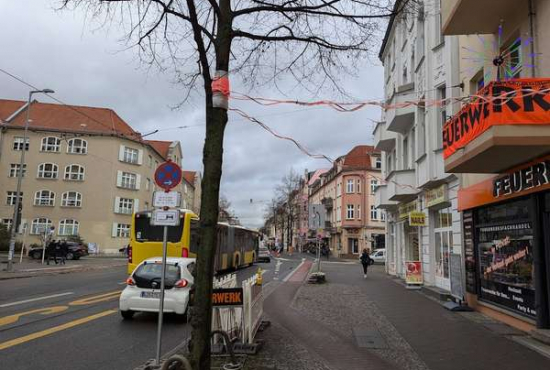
(515, 102)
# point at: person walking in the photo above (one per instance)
(365, 261)
(51, 251)
(63, 251)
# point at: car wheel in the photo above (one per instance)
(127, 315)
(70, 256)
(36, 255)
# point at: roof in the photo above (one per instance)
(316, 175)
(360, 156)
(189, 176)
(396, 10)
(163, 147)
(8, 107)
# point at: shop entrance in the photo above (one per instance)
(544, 255)
(411, 242)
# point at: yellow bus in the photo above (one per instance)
(237, 245)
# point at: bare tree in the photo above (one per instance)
(312, 41)
(287, 193)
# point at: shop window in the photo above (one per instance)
(353, 245)
(443, 230)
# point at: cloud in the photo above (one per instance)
(89, 66)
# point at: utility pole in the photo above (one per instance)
(17, 213)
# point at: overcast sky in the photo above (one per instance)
(89, 66)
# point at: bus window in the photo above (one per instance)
(145, 232)
(194, 237)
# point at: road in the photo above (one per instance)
(71, 321)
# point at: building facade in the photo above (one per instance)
(345, 196)
(192, 191)
(501, 147)
(420, 198)
(86, 171)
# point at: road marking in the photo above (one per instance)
(96, 298)
(55, 329)
(293, 271)
(43, 311)
(34, 299)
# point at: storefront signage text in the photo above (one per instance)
(523, 179)
(417, 219)
(405, 209)
(500, 103)
(507, 261)
(436, 196)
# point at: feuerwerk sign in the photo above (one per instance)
(227, 297)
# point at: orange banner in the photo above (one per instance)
(515, 102)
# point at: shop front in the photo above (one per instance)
(506, 230)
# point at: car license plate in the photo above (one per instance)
(150, 295)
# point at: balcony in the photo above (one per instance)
(327, 202)
(400, 120)
(381, 198)
(384, 140)
(401, 185)
(504, 136)
(464, 17)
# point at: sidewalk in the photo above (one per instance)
(353, 323)
(32, 268)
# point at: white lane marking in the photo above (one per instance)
(35, 299)
(293, 271)
(122, 283)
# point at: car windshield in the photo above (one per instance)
(149, 275)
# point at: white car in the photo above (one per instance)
(142, 293)
(379, 256)
(264, 255)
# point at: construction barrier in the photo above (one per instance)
(227, 319)
(252, 308)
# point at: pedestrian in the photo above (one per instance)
(326, 251)
(365, 261)
(51, 251)
(63, 251)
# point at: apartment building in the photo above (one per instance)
(192, 191)
(503, 154)
(345, 193)
(420, 198)
(86, 171)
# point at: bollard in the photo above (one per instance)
(259, 277)
(176, 362)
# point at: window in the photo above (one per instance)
(12, 195)
(14, 169)
(47, 171)
(390, 163)
(150, 161)
(6, 222)
(406, 153)
(373, 213)
(373, 185)
(353, 245)
(40, 225)
(185, 188)
(125, 206)
(71, 199)
(128, 180)
(77, 146)
(50, 144)
(148, 184)
(349, 187)
(358, 212)
(122, 230)
(413, 146)
(420, 34)
(378, 163)
(338, 214)
(131, 155)
(18, 143)
(438, 23)
(512, 60)
(74, 172)
(443, 230)
(421, 117)
(338, 189)
(382, 215)
(44, 198)
(441, 96)
(358, 186)
(68, 227)
(350, 215)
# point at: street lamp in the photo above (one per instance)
(16, 214)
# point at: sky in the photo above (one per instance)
(89, 65)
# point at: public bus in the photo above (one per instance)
(237, 245)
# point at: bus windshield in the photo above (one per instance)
(145, 232)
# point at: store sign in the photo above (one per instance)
(533, 176)
(436, 196)
(515, 102)
(417, 218)
(227, 297)
(405, 209)
(413, 272)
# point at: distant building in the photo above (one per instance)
(192, 191)
(86, 171)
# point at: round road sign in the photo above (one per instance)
(168, 175)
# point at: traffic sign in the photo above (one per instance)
(165, 218)
(168, 175)
(171, 199)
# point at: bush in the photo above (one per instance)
(76, 239)
(4, 238)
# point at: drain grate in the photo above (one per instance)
(369, 338)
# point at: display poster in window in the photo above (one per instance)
(457, 287)
(413, 272)
(505, 255)
(469, 252)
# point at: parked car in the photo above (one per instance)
(142, 292)
(264, 255)
(379, 256)
(75, 251)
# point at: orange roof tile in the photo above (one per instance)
(360, 156)
(8, 107)
(189, 176)
(162, 147)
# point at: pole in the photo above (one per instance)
(44, 242)
(161, 301)
(18, 191)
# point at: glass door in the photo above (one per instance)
(443, 233)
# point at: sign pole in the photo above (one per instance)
(161, 300)
(44, 241)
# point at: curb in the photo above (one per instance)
(79, 268)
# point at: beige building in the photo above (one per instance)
(192, 190)
(86, 171)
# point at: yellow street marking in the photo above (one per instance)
(43, 311)
(55, 329)
(95, 299)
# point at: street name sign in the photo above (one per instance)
(171, 199)
(168, 175)
(165, 218)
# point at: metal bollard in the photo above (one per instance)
(234, 364)
(176, 362)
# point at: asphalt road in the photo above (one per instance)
(71, 321)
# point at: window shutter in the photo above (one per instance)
(138, 181)
(140, 156)
(113, 233)
(136, 205)
(119, 178)
(121, 153)
(117, 204)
